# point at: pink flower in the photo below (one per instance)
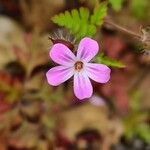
(77, 66)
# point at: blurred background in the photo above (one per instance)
(37, 116)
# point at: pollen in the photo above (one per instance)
(78, 65)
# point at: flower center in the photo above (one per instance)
(78, 65)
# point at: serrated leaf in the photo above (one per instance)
(116, 4)
(84, 13)
(75, 15)
(100, 12)
(109, 62)
(80, 22)
(91, 30)
(69, 18)
(76, 21)
(59, 19)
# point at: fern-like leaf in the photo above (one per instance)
(80, 22)
(76, 21)
(100, 12)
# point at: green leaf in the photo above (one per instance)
(84, 14)
(109, 62)
(116, 4)
(91, 30)
(80, 22)
(99, 13)
(77, 21)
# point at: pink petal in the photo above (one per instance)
(87, 49)
(58, 75)
(82, 86)
(98, 72)
(62, 55)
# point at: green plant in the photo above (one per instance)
(108, 61)
(80, 22)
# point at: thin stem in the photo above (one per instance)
(108, 21)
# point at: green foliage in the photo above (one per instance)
(80, 22)
(139, 8)
(108, 61)
(99, 13)
(116, 4)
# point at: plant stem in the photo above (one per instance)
(109, 22)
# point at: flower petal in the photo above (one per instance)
(87, 49)
(59, 74)
(98, 72)
(62, 55)
(82, 86)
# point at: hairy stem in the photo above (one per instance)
(118, 27)
(108, 21)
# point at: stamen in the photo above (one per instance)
(78, 65)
